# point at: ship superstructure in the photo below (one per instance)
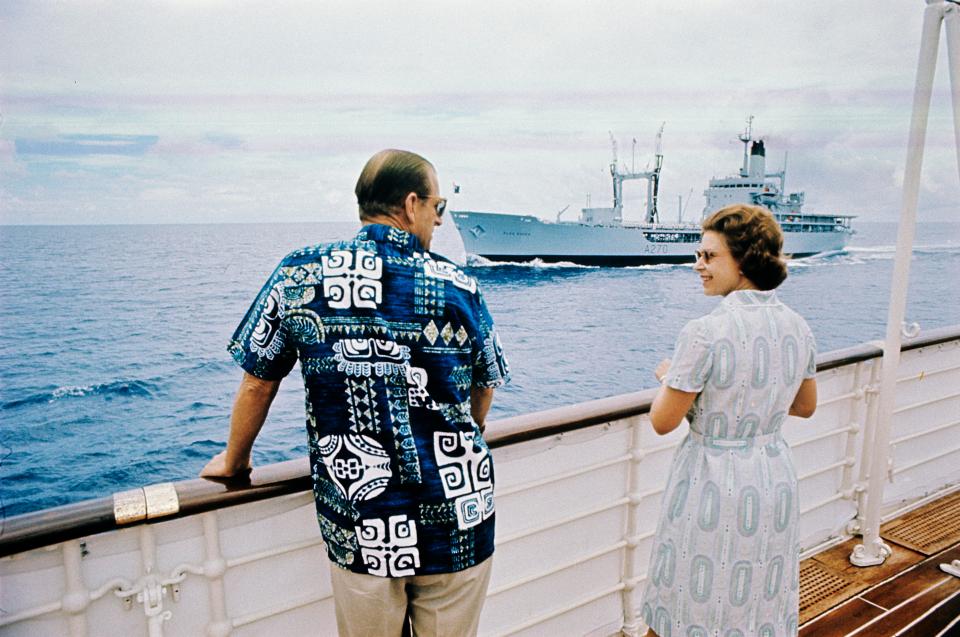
(600, 236)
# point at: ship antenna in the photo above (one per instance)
(613, 144)
(745, 137)
(685, 204)
(783, 175)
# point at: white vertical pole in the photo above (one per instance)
(873, 550)
(951, 26)
(871, 392)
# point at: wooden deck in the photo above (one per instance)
(908, 595)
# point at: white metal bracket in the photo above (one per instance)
(861, 557)
(150, 590)
(953, 568)
(909, 330)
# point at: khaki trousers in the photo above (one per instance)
(445, 605)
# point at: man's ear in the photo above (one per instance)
(410, 208)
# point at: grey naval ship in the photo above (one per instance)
(600, 236)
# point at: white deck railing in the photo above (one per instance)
(578, 491)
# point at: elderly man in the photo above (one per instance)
(400, 360)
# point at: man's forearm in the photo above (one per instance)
(480, 400)
(250, 408)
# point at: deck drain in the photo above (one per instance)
(929, 529)
(818, 584)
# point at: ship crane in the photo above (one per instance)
(651, 176)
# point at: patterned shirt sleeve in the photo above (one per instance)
(692, 358)
(262, 344)
(490, 367)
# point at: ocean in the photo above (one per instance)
(115, 372)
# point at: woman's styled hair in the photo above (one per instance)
(386, 180)
(755, 241)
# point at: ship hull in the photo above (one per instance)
(521, 238)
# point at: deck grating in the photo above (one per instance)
(820, 586)
(929, 529)
(907, 596)
(836, 561)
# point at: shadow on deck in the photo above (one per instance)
(909, 595)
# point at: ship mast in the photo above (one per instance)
(653, 184)
(745, 137)
(617, 184)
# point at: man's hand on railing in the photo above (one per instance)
(220, 467)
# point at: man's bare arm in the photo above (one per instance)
(250, 408)
(480, 400)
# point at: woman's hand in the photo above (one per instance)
(662, 368)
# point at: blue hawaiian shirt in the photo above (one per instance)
(390, 340)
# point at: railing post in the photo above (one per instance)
(631, 625)
(214, 567)
(873, 551)
(855, 420)
(76, 597)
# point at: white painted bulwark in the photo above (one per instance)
(575, 515)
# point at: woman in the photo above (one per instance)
(725, 560)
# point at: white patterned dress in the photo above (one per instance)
(725, 559)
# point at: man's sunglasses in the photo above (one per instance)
(441, 203)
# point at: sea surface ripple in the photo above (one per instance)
(115, 372)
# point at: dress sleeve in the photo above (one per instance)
(262, 344)
(811, 353)
(490, 367)
(692, 358)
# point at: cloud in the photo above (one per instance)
(198, 113)
(74, 145)
(7, 154)
(224, 141)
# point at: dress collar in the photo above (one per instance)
(752, 297)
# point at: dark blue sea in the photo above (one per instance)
(115, 374)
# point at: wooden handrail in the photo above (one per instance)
(50, 526)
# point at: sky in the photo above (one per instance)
(208, 111)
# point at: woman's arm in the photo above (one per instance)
(669, 407)
(805, 402)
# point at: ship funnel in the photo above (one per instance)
(758, 162)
